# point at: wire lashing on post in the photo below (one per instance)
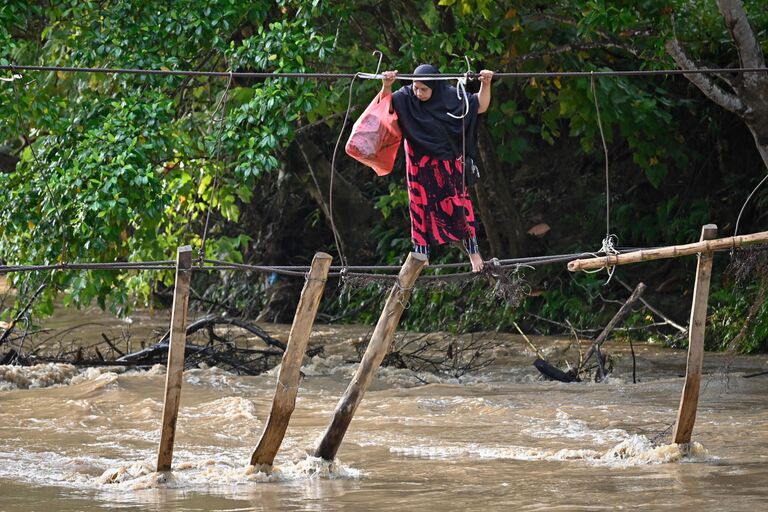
(401, 291)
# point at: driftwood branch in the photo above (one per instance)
(111, 345)
(655, 311)
(213, 321)
(21, 313)
(617, 318)
(634, 362)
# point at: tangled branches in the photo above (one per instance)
(749, 263)
(449, 355)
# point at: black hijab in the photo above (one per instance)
(427, 126)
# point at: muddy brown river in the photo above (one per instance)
(86, 439)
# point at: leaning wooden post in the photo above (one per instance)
(287, 385)
(686, 414)
(173, 377)
(374, 354)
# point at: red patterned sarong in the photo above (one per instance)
(441, 210)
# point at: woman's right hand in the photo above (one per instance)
(389, 78)
(387, 81)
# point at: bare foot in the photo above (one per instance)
(477, 262)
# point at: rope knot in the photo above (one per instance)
(609, 245)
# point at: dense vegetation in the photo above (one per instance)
(97, 167)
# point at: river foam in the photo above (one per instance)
(207, 472)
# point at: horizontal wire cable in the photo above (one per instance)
(301, 270)
(5, 269)
(374, 76)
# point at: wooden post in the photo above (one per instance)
(287, 386)
(686, 414)
(173, 377)
(374, 354)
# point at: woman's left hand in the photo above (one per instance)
(485, 76)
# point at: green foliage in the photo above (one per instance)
(729, 305)
(669, 220)
(397, 199)
(120, 168)
(642, 118)
(470, 6)
(128, 167)
(700, 26)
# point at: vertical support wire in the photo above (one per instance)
(610, 239)
(222, 105)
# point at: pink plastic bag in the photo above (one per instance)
(376, 136)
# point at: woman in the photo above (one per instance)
(436, 140)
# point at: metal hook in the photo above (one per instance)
(461, 91)
(381, 56)
(469, 67)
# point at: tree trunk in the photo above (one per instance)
(752, 88)
(8, 162)
(447, 21)
(496, 202)
(353, 213)
(748, 97)
(280, 241)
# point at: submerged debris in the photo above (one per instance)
(228, 343)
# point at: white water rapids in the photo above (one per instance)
(86, 439)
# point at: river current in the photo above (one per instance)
(500, 438)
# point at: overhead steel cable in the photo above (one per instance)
(291, 270)
(375, 76)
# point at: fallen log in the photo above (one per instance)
(13, 357)
(552, 372)
(381, 341)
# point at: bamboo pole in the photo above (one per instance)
(689, 400)
(284, 401)
(374, 354)
(173, 377)
(674, 251)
